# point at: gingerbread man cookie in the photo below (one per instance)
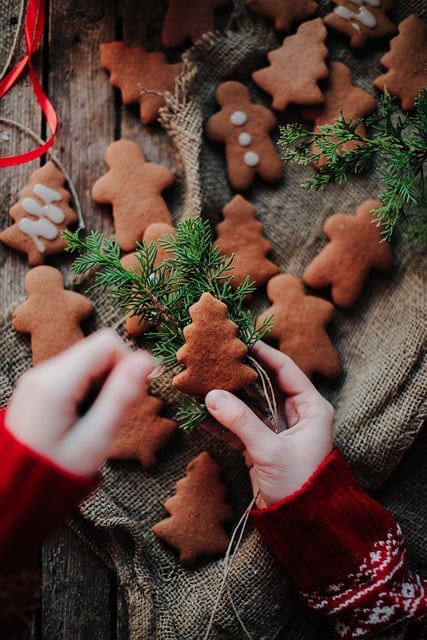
(189, 19)
(41, 214)
(406, 62)
(243, 127)
(51, 314)
(133, 186)
(355, 248)
(283, 12)
(299, 326)
(361, 20)
(296, 67)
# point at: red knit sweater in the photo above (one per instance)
(346, 555)
(35, 497)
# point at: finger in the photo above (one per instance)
(224, 434)
(289, 377)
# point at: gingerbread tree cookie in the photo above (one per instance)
(283, 12)
(355, 248)
(361, 20)
(406, 62)
(296, 67)
(134, 324)
(299, 326)
(243, 127)
(142, 76)
(212, 353)
(189, 19)
(341, 95)
(133, 186)
(240, 234)
(41, 214)
(51, 314)
(198, 512)
(143, 433)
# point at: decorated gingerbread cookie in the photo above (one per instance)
(300, 326)
(134, 188)
(406, 62)
(198, 512)
(241, 235)
(212, 354)
(283, 12)
(244, 128)
(143, 77)
(51, 314)
(143, 433)
(361, 20)
(41, 214)
(189, 19)
(296, 67)
(355, 248)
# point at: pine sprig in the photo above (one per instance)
(400, 142)
(164, 294)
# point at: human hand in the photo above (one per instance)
(279, 463)
(44, 412)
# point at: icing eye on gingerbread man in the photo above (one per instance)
(244, 128)
(361, 20)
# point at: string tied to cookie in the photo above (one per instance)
(33, 31)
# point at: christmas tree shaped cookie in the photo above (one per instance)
(198, 512)
(41, 214)
(142, 76)
(212, 353)
(299, 326)
(341, 95)
(51, 314)
(143, 433)
(189, 19)
(355, 248)
(241, 234)
(133, 187)
(296, 67)
(361, 20)
(406, 62)
(283, 12)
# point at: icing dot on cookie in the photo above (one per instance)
(238, 118)
(251, 159)
(245, 139)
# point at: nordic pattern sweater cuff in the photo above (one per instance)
(35, 497)
(344, 552)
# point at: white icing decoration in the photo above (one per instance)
(251, 159)
(245, 139)
(48, 215)
(364, 16)
(238, 118)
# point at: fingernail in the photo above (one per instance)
(215, 398)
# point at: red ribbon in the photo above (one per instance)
(34, 26)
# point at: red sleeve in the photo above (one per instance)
(344, 552)
(35, 497)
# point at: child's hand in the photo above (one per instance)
(45, 410)
(279, 463)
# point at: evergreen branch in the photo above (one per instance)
(400, 142)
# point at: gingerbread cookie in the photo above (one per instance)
(361, 20)
(189, 19)
(243, 127)
(340, 94)
(143, 433)
(299, 326)
(406, 62)
(212, 353)
(135, 325)
(133, 187)
(143, 77)
(51, 314)
(41, 214)
(283, 12)
(198, 512)
(296, 67)
(355, 248)
(240, 235)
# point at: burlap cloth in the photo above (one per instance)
(379, 400)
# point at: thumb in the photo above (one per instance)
(236, 416)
